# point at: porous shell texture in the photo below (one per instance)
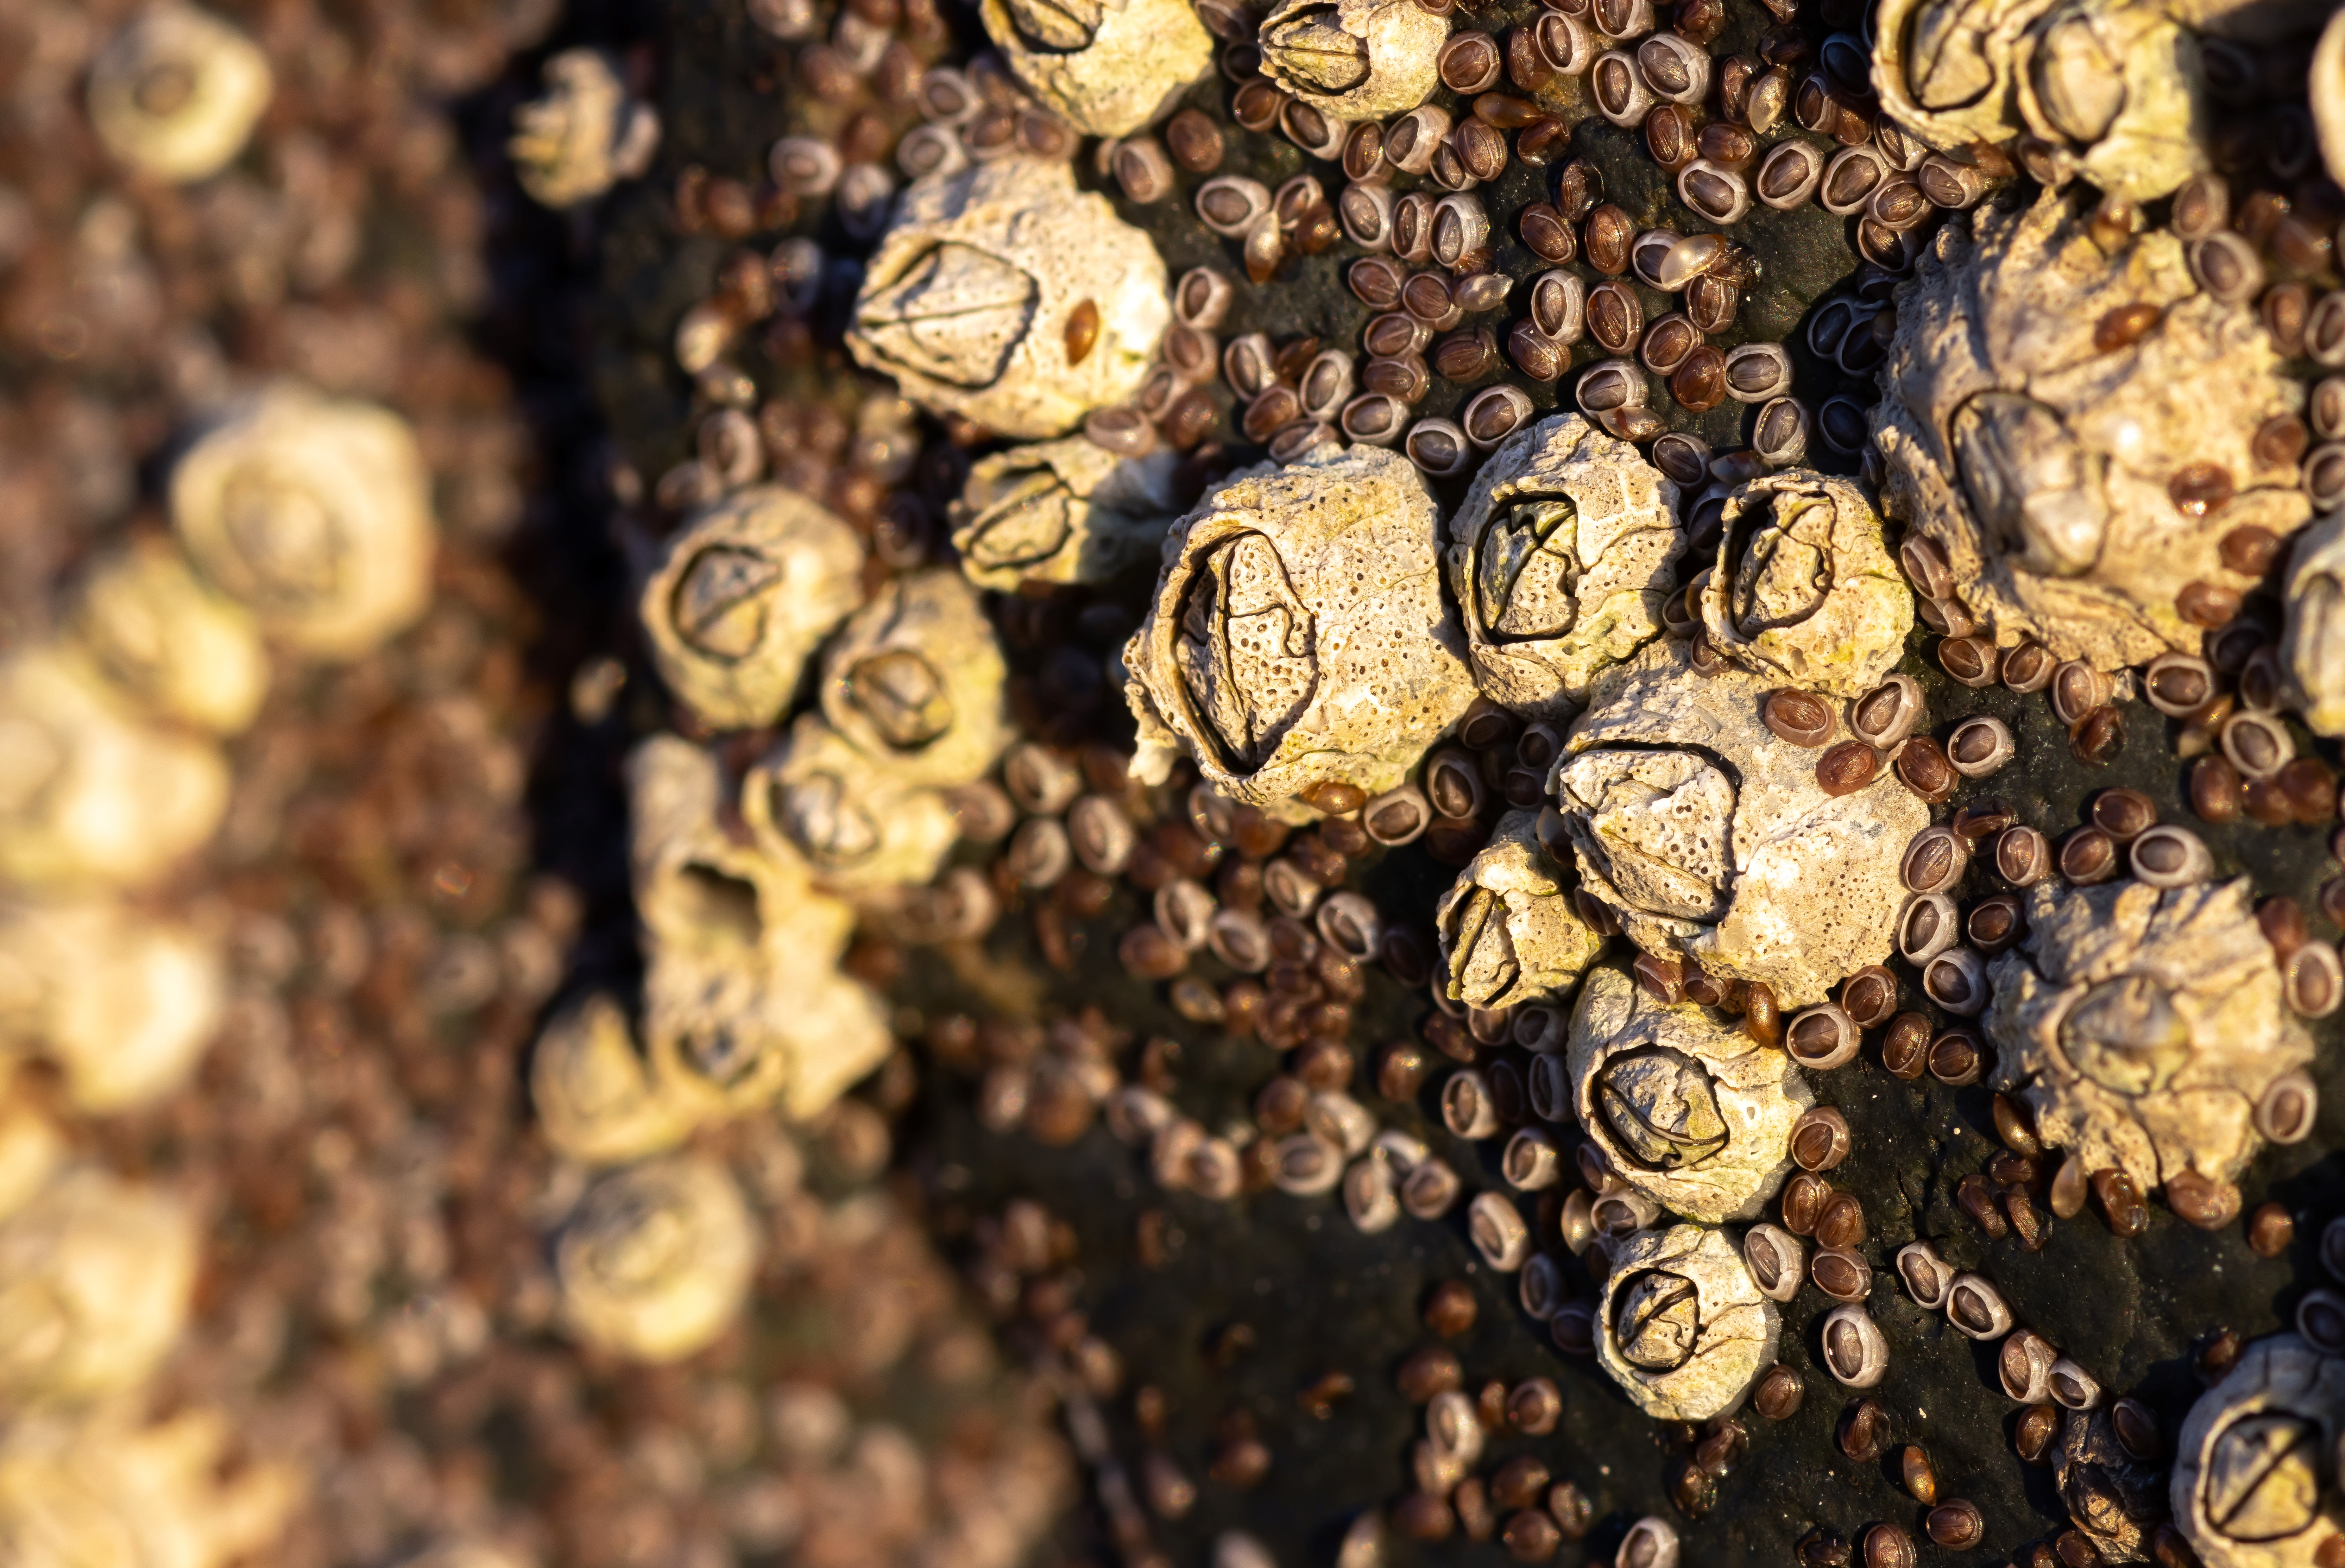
(1107, 67)
(819, 801)
(742, 596)
(1509, 931)
(1061, 512)
(967, 302)
(315, 514)
(2108, 1492)
(110, 1489)
(2141, 1025)
(172, 645)
(2249, 1463)
(2040, 464)
(597, 1099)
(1560, 560)
(1729, 1336)
(1299, 632)
(123, 1003)
(585, 136)
(1690, 1110)
(1946, 70)
(1353, 59)
(1710, 837)
(2313, 638)
(95, 1276)
(177, 93)
(1804, 590)
(913, 681)
(657, 1259)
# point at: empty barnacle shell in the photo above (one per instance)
(914, 680)
(1510, 933)
(176, 647)
(586, 135)
(1682, 1327)
(177, 93)
(742, 596)
(1298, 633)
(1806, 591)
(2251, 1460)
(313, 514)
(966, 300)
(109, 1486)
(1693, 1112)
(1353, 59)
(657, 1262)
(123, 1003)
(596, 1098)
(1106, 68)
(1066, 511)
(95, 1279)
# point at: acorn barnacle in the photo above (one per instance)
(177, 93)
(1353, 59)
(1804, 590)
(1509, 931)
(1107, 67)
(913, 681)
(2252, 1477)
(657, 1262)
(1061, 512)
(2313, 639)
(585, 136)
(596, 1098)
(1681, 1327)
(96, 1276)
(123, 1003)
(168, 640)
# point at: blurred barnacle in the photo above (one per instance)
(1682, 1328)
(2060, 481)
(1005, 295)
(1299, 635)
(2143, 1026)
(913, 681)
(2313, 639)
(313, 513)
(177, 93)
(585, 136)
(1805, 591)
(1694, 1113)
(179, 649)
(1947, 69)
(2252, 1456)
(110, 1489)
(1561, 558)
(95, 1276)
(1107, 67)
(741, 599)
(822, 802)
(1509, 931)
(1710, 837)
(655, 1264)
(1066, 511)
(596, 1096)
(123, 1003)
(1353, 59)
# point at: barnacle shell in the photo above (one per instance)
(1107, 67)
(1299, 631)
(597, 1098)
(2109, 1493)
(1509, 931)
(2141, 1025)
(1946, 69)
(1693, 1112)
(106, 1490)
(2040, 465)
(2312, 639)
(1710, 838)
(179, 649)
(1061, 512)
(176, 94)
(123, 1004)
(913, 681)
(1353, 59)
(95, 1279)
(2327, 91)
(742, 596)
(1805, 592)
(585, 136)
(967, 298)
(657, 1262)
(2119, 82)
(314, 514)
(2252, 1454)
(1698, 1331)
(822, 802)
(470, 1551)
(1560, 559)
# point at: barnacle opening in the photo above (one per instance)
(720, 604)
(1245, 647)
(1059, 27)
(903, 695)
(1656, 1320)
(1662, 1106)
(1527, 581)
(1310, 46)
(955, 314)
(2033, 486)
(2126, 1035)
(2262, 1479)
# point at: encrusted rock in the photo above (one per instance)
(1107, 67)
(657, 1262)
(585, 136)
(1509, 931)
(1682, 1327)
(123, 1003)
(173, 645)
(177, 93)
(2312, 641)
(913, 681)
(1353, 59)
(95, 1276)
(1804, 590)
(1061, 512)
(2252, 1464)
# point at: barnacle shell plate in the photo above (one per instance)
(1107, 67)
(585, 136)
(1509, 931)
(913, 681)
(176, 94)
(2120, 82)
(1353, 59)
(596, 1096)
(657, 1262)
(1946, 69)
(818, 802)
(1704, 1334)
(177, 648)
(2251, 1456)
(96, 1276)
(1804, 591)
(1061, 512)
(2313, 638)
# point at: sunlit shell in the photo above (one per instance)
(595, 1095)
(1107, 67)
(585, 136)
(1805, 592)
(655, 1264)
(1509, 931)
(913, 681)
(2120, 83)
(1061, 512)
(821, 801)
(1945, 69)
(1682, 1327)
(123, 1003)
(2252, 1457)
(1353, 59)
(178, 649)
(109, 1489)
(177, 93)
(2312, 641)
(95, 1276)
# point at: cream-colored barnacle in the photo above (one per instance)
(1003, 294)
(2312, 639)
(1353, 59)
(123, 1003)
(89, 793)
(314, 514)
(1945, 69)
(178, 649)
(1299, 632)
(1691, 1111)
(2253, 1461)
(1710, 839)
(2118, 84)
(1509, 931)
(2076, 491)
(109, 1488)
(1063, 512)
(1107, 67)
(655, 1264)
(1560, 559)
(1805, 592)
(2326, 92)
(585, 136)
(1681, 1327)
(177, 93)
(742, 596)
(913, 681)
(598, 1098)
(2143, 1026)
(820, 799)
(96, 1275)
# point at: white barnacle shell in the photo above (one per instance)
(585, 136)
(88, 792)
(597, 1098)
(109, 1488)
(742, 596)
(122, 1002)
(969, 299)
(2313, 638)
(913, 681)
(96, 1275)
(1693, 1112)
(1560, 560)
(2040, 465)
(177, 93)
(2252, 1456)
(1710, 837)
(1681, 1327)
(2143, 1025)
(315, 514)
(1061, 512)
(656, 1262)
(819, 801)
(177, 648)
(1107, 67)
(1299, 631)
(1353, 59)
(2119, 82)
(1509, 931)
(1805, 592)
